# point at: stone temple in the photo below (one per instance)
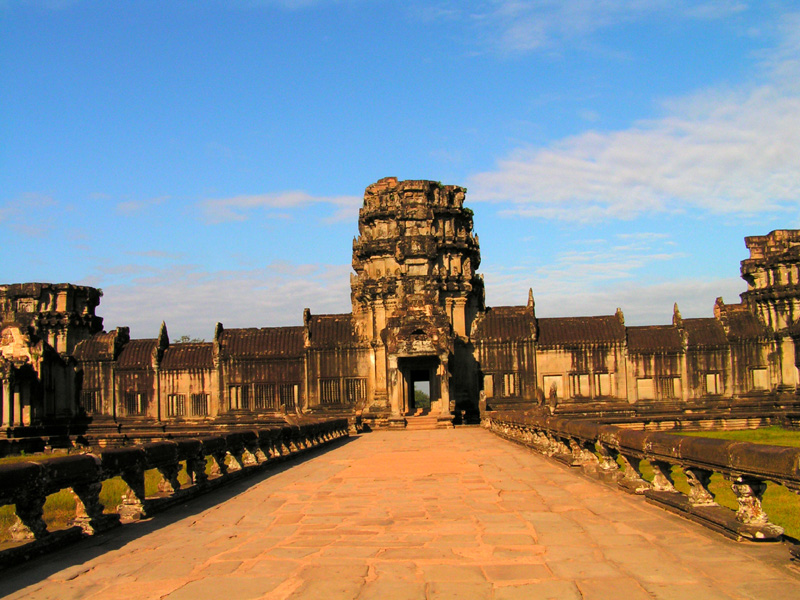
(418, 321)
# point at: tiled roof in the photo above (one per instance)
(98, 347)
(506, 323)
(580, 330)
(654, 338)
(332, 330)
(268, 341)
(188, 356)
(741, 323)
(705, 332)
(137, 354)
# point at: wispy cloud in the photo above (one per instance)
(605, 274)
(720, 151)
(238, 208)
(30, 215)
(535, 25)
(191, 299)
(130, 207)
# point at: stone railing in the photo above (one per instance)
(613, 454)
(231, 456)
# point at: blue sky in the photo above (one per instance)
(204, 161)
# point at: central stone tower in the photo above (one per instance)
(415, 293)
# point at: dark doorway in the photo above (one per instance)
(421, 383)
(420, 391)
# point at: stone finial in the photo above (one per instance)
(163, 335)
(218, 329)
(531, 303)
(620, 316)
(677, 319)
(719, 305)
(162, 343)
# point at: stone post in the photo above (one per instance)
(444, 393)
(7, 392)
(16, 418)
(788, 369)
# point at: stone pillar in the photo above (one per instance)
(684, 362)
(459, 316)
(8, 390)
(788, 369)
(445, 417)
(395, 386)
(16, 414)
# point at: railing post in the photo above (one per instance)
(699, 494)
(29, 513)
(632, 480)
(132, 505)
(196, 468)
(608, 466)
(662, 476)
(88, 509)
(169, 483)
(749, 493)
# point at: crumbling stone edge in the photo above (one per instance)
(234, 455)
(612, 454)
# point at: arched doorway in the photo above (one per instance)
(421, 385)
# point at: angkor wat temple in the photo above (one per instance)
(418, 315)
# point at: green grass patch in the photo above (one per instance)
(773, 436)
(59, 508)
(782, 505)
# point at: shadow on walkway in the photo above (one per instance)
(42, 567)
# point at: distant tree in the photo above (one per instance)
(185, 339)
(420, 396)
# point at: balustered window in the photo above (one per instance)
(200, 405)
(553, 386)
(288, 395)
(265, 396)
(176, 405)
(510, 385)
(91, 401)
(329, 392)
(239, 396)
(602, 384)
(135, 403)
(579, 382)
(671, 387)
(355, 390)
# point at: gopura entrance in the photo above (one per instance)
(415, 294)
(420, 375)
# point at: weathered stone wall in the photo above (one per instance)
(418, 314)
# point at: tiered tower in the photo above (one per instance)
(772, 274)
(415, 291)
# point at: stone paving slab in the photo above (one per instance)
(419, 514)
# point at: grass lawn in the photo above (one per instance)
(59, 508)
(782, 506)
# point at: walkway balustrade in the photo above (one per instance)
(613, 454)
(232, 455)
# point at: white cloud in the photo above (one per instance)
(524, 26)
(130, 207)
(31, 214)
(192, 300)
(599, 276)
(237, 208)
(720, 151)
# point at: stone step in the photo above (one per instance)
(422, 422)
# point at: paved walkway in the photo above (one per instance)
(427, 514)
